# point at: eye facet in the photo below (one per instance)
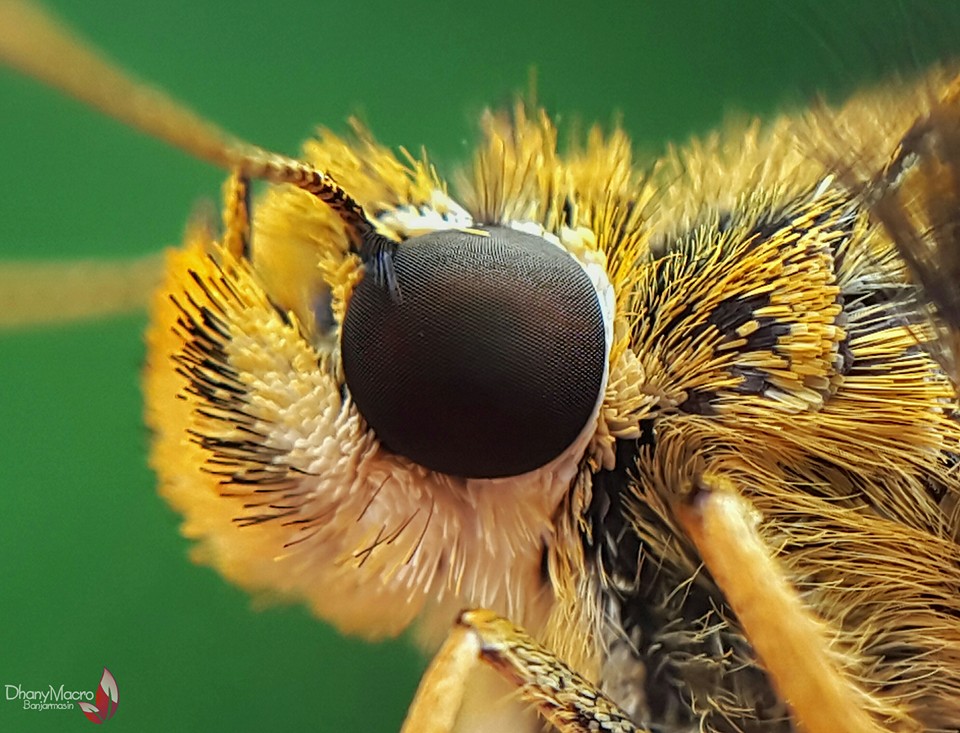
(491, 360)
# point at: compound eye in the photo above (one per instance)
(491, 360)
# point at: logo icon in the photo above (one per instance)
(107, 699)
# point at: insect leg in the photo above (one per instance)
(789, 639)
(564, 698)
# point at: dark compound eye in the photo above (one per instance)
(491, 360)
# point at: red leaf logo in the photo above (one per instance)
(108, 698)
(91, 711)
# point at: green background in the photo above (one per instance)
(93, 571)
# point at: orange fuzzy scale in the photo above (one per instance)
(254, 436)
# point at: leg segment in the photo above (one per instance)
(789, 639)
(564, 698)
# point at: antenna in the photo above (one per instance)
(39, 46)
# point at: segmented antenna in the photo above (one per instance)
(39, 46)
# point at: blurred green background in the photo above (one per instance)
(93, 571)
